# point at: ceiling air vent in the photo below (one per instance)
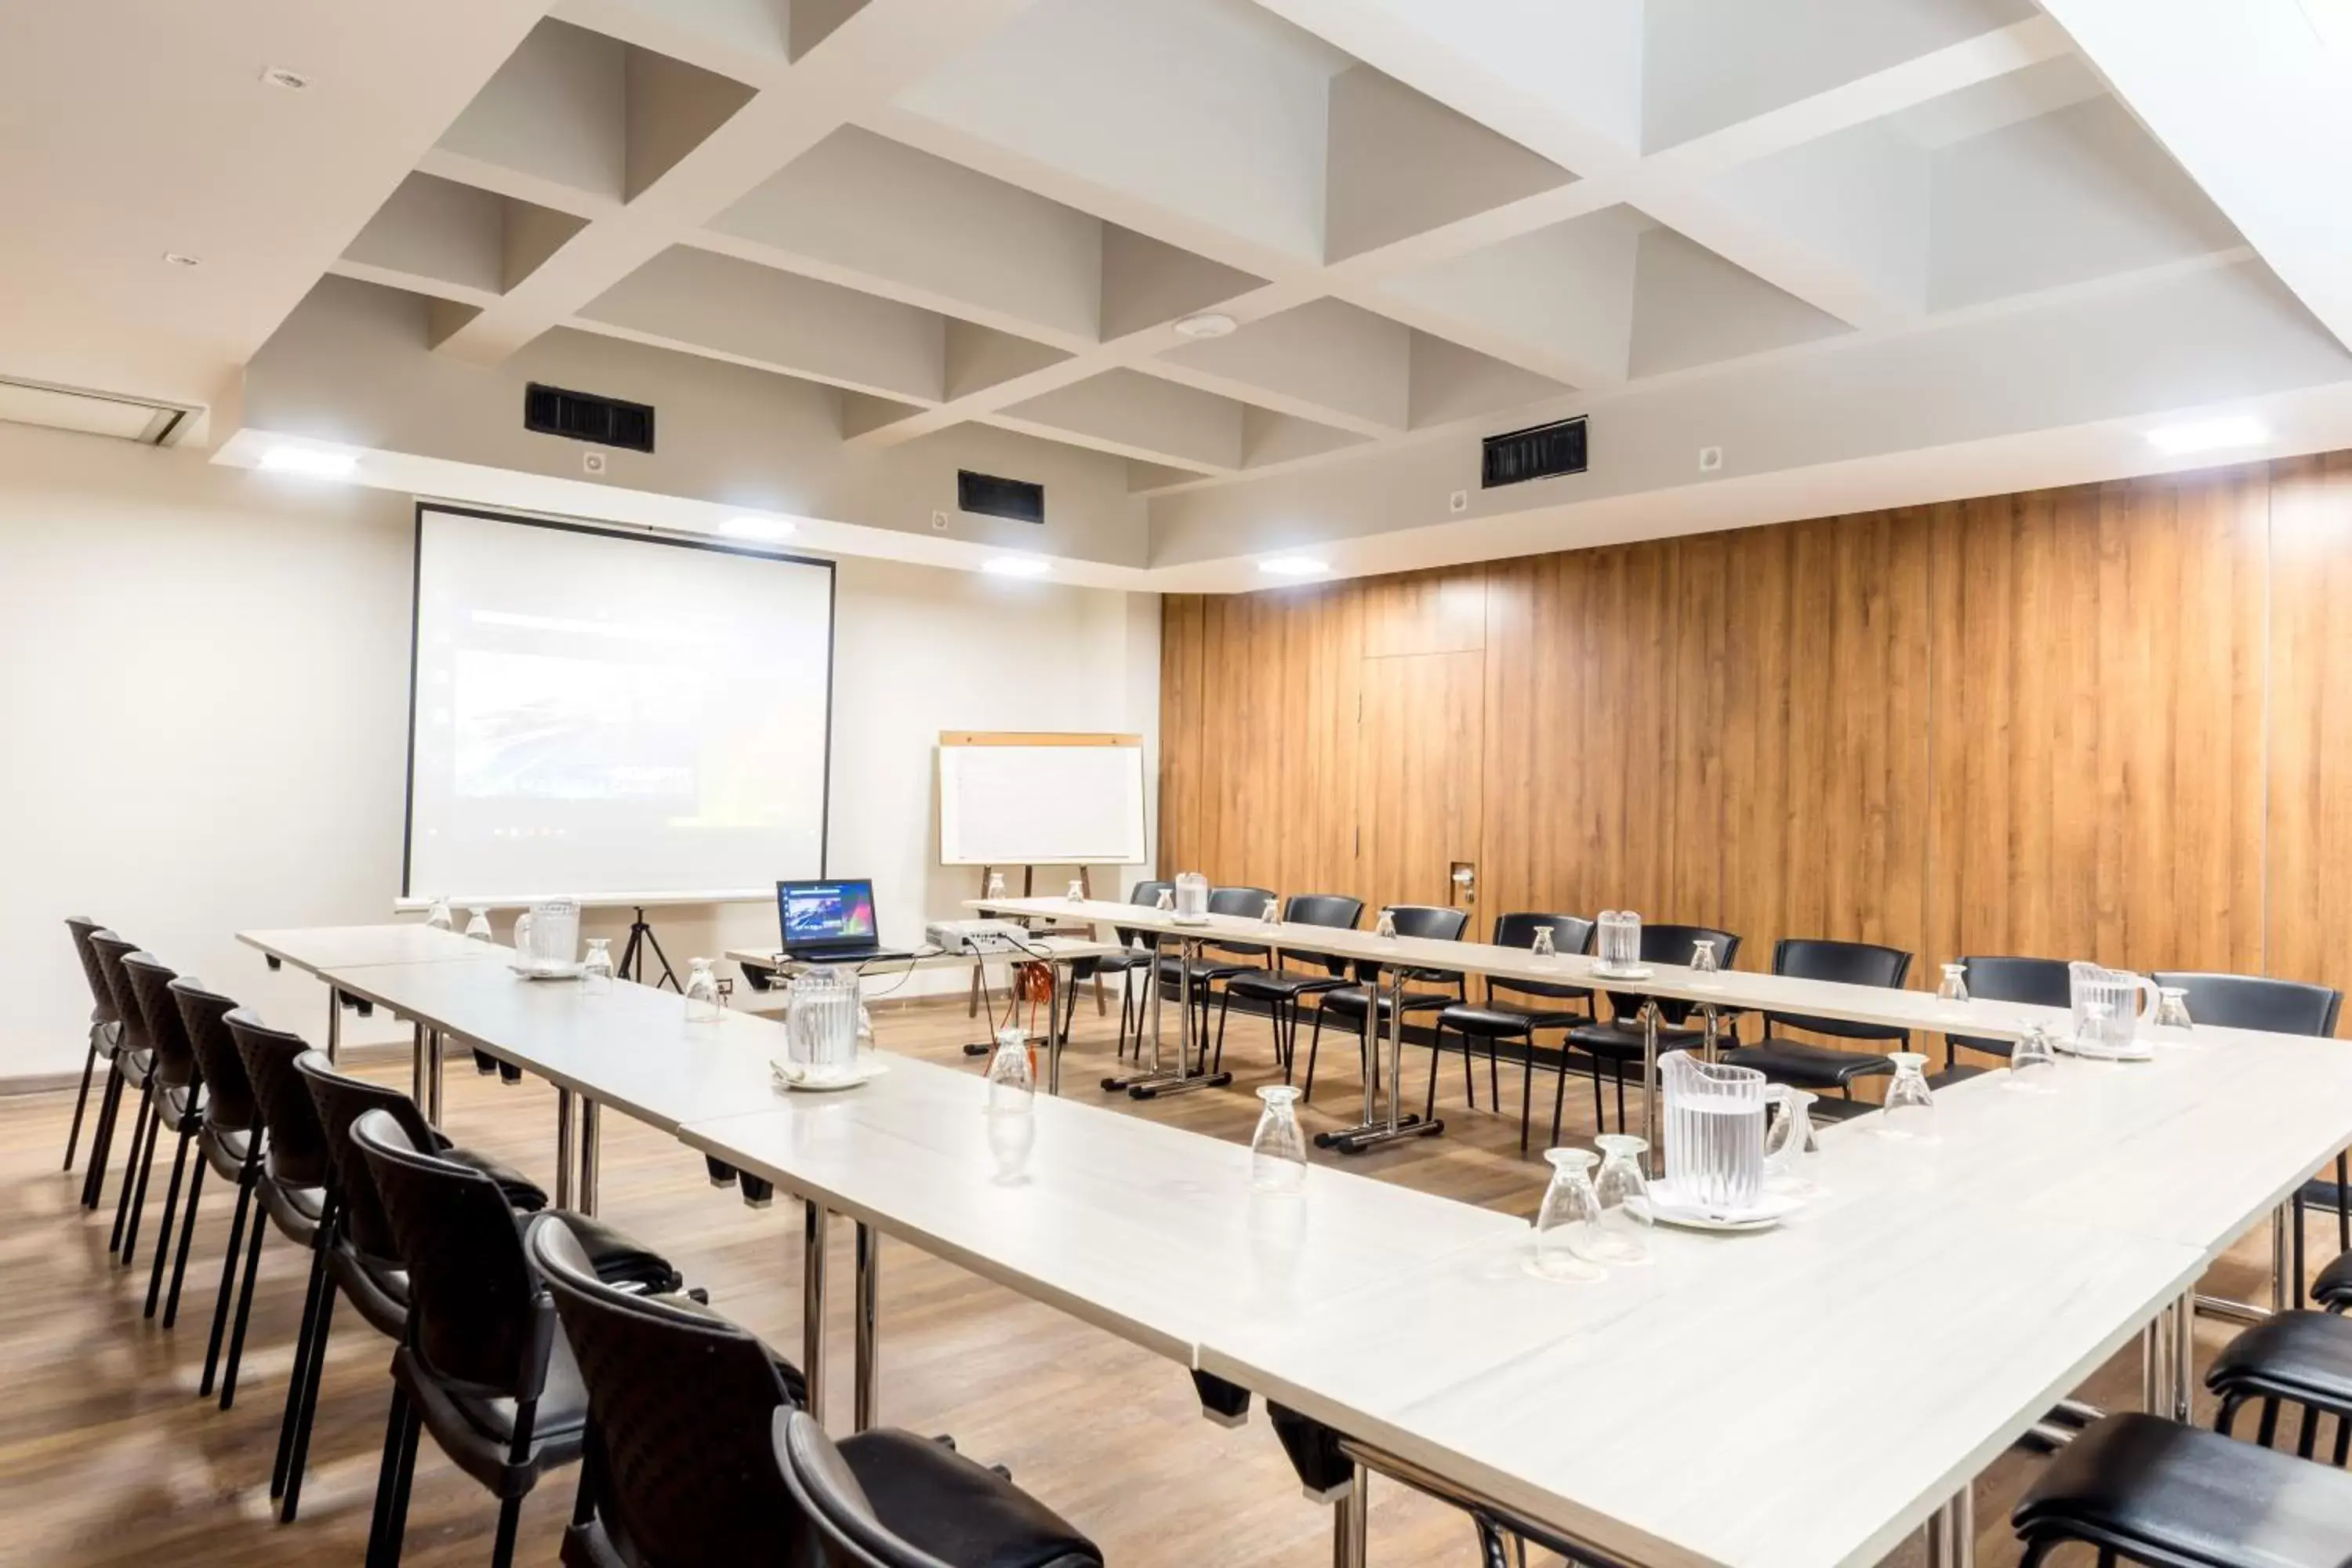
(140, 419)
(585, 417)
(991, 497)
(1537, 453)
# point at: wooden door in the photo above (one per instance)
(1420, 775)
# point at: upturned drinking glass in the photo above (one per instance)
(1570, 1208)
(1620, 1234)
(1910, 1110)
(1542, 946)
(1385, 927)
(1077, 892)
(702, 1003)
(2172, 1008)
(2034, 1059)
(478, 925)
(995, 885)
(1011, 1076)
(1278, 1148)
(596, 968)
(1955, 987)
(439, 918)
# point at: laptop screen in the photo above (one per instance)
(815, 913)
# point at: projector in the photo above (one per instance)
(976, 936)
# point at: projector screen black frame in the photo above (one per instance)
(415, 613)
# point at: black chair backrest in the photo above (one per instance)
(341, 1100)
(827, 1496)
(1248, 903)
(1671, 944)
(159, 1015)
(1333, 912)
(1146, 894)
(101, 995)
(229, 1093)
(1846, 963)
(476, 1315)
(2256, 1002)
(1428, 922)
(110, 951)
(1569, 933)
(2036, 982)
(682, 1402)
(298, 1155)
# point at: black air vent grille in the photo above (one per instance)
(585, 417)
(991, 497)
(1534, 454)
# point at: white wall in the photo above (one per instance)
(205, 714)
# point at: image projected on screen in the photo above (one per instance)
(609, 716)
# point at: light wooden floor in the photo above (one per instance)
(108, 1458)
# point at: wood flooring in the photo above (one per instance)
(108, 1458)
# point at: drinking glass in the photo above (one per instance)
(1910, 1110)
(1385, 927)
(1011, 1076)
(1955, 987)
(1703, 962)
(1570, 1208)
(702, 992)
(2033, 1060)
(1621, 1233)
(1271, 915)
(478, 925)
(1542, 946)
(440, 918)
(1167, 902)
(2172, 1007)
(995, 885)
(1078, 893)
(1278, 1148)
(1788, 1142)
(596, 968)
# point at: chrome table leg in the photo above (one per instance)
(869, 1326)
(586, 1200)
(563, 1171)
(813, 1307)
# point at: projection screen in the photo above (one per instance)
(617, 717)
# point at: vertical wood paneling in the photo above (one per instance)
(2107, 720)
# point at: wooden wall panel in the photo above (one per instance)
(2107, 720)
(2309, 928)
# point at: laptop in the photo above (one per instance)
(830, 921)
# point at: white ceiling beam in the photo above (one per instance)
(876, 52)
(2257, 109)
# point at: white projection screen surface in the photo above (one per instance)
(614, 716)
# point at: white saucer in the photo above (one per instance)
(800, 1080)
(1668, 1207)
(1638, 971)
(2138, 1051)
(549, 970)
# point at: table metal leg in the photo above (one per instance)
(1372, 1131)
(1649, 1087)
(436, 1047)
(1057, 1023)
(2183, 1360)
(1157, 1079)
(2279, 1290)
(813, 1307)
(335, 1024)
(2155, 1377)
(417, 1049)
(1952, 1532)
(586, 1202)
(1351, 1522)
(563, 1148)
(869, 1326)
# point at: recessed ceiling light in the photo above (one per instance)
(769, 529)
(182, 258)
(1294, 566)
(2208, 436)
(1207, 324)
(1016, 566)
(311, 462)
(291, 80)
(2332, 20)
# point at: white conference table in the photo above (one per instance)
(314, 948)
(1062, 953)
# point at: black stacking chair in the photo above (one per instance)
(1219, 960)
(178, 1102)
(1803, 1064)
(134, 1064)
(886, 1498)
(1284, 989)
(2282, 1007)
(482, 1363)
(1619, 1041)
(285, 1175)
(2301, 1358)
(1136, 954)
(1346, 1004)
(105, 1028)
(2037, 982)
(1515, 1010)
(2154, 1491)
(226, 1139)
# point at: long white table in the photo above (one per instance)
(313, 948)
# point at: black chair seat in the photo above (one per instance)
(2160, 1493)
(935, 1500)
(377, 1288)
(1464, 1018)
(1806, 1065)
(1205, 970)
(619, 1260)
(2332, 1289)
(296, 1211)
(1281, 984)
(521, 1192)
(1621, 1042)
(226, 1148)
(2319, 1193)
(1349, 1003)
(478, 1431)
(1110, 963)
(2303, 1356)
